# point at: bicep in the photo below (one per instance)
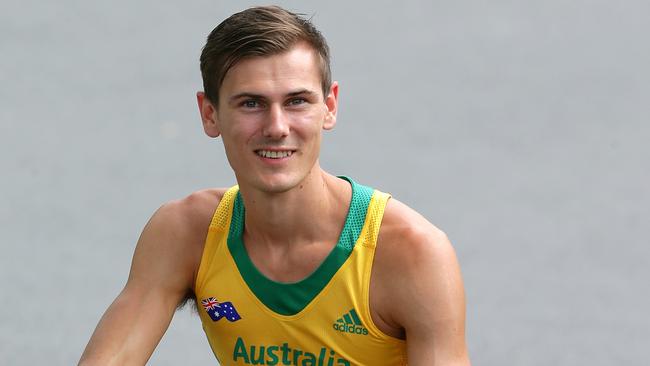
(434, 319)
(160, 277)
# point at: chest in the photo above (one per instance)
(288, 265)
(330, 327)
(296, 308)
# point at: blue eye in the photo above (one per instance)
(250, 104)
(297, 101)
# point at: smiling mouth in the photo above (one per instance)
(273, 154)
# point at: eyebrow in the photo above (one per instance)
(260, 96)
(302, 92)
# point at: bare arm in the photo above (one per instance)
(423, 270)
(435, 321)
(162, 274)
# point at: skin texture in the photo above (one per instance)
(166, 258)
(275, 103)
(415, 260)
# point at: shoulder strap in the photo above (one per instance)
(373, 218)
(216, 233)
(221, 217)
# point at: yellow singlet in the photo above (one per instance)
(322, 320)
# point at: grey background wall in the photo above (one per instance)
(520, 128)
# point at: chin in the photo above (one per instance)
(276, 184)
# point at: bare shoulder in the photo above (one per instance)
(171, 244)
(191, 212)
(416, 289)
(187, 218)
(408, 238)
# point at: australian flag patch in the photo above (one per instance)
(218, 310)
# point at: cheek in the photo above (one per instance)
(235, 143)
(240, 132)
(309, 123)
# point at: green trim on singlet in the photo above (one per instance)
(291, 298)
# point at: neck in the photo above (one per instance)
(312, 212)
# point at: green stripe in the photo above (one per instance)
(355, 317)
(291, 298)
(347, 318)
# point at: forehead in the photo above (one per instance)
(298, 68)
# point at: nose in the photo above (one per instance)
(276, 125)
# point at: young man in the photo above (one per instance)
(293, 266)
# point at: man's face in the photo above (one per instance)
(270, 115)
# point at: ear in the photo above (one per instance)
(208, 115)
(331, 102)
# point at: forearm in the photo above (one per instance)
(126, 334)
(439, 360)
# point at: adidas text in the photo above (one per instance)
(350, 328)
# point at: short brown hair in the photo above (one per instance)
(254, 32)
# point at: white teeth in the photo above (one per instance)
(274, 154)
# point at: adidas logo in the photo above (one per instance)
(350, 323)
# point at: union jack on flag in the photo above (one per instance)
(210, 303)
(217, 310)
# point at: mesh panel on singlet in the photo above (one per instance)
(222, 215)
(356, 215)
(237, 223)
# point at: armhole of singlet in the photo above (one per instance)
(375, 215)
(219, 225)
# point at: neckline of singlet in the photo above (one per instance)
(290, 298)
